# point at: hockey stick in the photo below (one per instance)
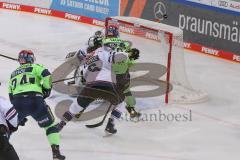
(102, 121)
(8, 57)
(60, 80)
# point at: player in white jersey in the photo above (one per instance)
(8, 124)
(93, 43)
(100, 83)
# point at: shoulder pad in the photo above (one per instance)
(39, 65)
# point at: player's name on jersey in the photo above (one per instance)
(20, 71)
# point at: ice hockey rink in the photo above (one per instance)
(212, 134)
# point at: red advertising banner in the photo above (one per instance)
(125, 6)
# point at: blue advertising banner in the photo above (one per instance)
(99, 9)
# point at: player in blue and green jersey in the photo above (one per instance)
(29, 85)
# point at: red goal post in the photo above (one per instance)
(170, 39)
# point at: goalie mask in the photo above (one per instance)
(26, 56)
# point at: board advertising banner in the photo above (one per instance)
(42, 3)
(99, 9)
(206, 27)
(225, 4)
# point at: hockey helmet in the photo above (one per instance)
(111, 43)
(95, 42)
(26, 56)
(111, 31)
(99, 34)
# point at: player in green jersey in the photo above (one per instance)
(123, 80)
(122, 69)
(29, 85)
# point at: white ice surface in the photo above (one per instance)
(213, 133)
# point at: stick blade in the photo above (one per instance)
(94, 125)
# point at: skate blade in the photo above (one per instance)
(58, 158)
(107, 134)
(135, 119)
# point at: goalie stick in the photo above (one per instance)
(102, 121)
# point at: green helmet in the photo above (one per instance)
(117, 44)
(111, 40)
(111, 43)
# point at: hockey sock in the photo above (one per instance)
(67, 116)
(116, 114)
(54, 138)
(53, 134)
(130, 101)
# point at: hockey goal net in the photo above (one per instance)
(162, 52)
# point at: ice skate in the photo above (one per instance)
(109, 130)
(133, 113)
(56, 153)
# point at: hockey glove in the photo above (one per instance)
(23, 122)
(46, 92)
(11, 97)
(134, 54)
(4, 136)
(11, 128)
